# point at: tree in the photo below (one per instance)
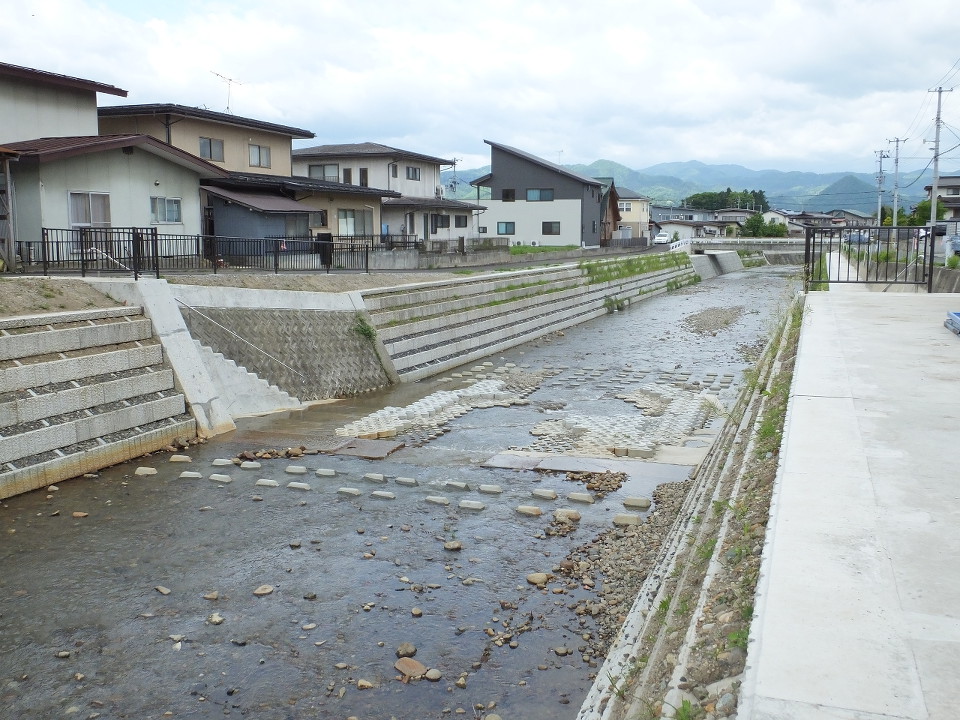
(755, 226)
(921, 213)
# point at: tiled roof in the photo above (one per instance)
(366, 149)
(439, 203)
(49, 78)
(294, 183)
(201, 113)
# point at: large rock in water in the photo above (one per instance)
(406, 650)
(410, 667)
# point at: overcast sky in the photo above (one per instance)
(785, 84)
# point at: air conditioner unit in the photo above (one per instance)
(439, 192)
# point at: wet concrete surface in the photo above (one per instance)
(346, 571)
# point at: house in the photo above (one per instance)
(610, 210)
(72, 184)
(231, 142)
(634, 214)
(664, 213)
(534, 202)
(948, 192)
(736, 215)
(693, 229)
(416, 206)
(854, 217)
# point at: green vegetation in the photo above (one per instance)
(533, 249)
(755, 226)
(728, 198)
(819, 276)
(363, 328)
(599, 271)
(953, 262)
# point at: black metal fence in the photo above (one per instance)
(879, 255)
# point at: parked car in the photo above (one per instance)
(661, 238)
(858, 237)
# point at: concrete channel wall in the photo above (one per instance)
(80, 391)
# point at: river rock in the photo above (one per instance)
(406, 650)
(410, 667)
(364, 684)
(538, 578)
(215, 619)
(529, 510)
(263, 590)
(143, 470)
(454, 545)
(434, 675)
(637, 502)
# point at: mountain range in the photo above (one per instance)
(670, 183)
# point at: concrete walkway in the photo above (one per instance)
(858, 607)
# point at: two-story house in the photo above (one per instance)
(948, 192)
(62, 176)
(535, 202)
(634, 214)
(417, 206)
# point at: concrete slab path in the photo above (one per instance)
(858, 607)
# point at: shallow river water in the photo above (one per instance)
(85, 633)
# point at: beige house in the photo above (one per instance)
(634, 214)
(233, 143)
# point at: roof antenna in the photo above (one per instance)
(229, 82)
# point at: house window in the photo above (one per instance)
(260, 156)
(393, 169)
(329, 172)
(165, 210)
(439, 221)
(482, 229)
(508, 195)
(89, 209)
(551, 228)
(211, 149)
(413, 173)
(506, 228)
(624, 206)
(594, 226)
(539, 194)
(364, 178)
(460, 220)
(318, 218)
(355, 222)
(296, 225)
(347, 176)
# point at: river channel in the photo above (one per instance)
(142, 605)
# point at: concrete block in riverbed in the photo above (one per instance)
(566, 515)
(471, 505)
(626, 519)
(637, 502)
(529, 510)
(222, 462)
(375, 478)
(640, 453)
(408, 482)
(298, 486)
(143, 470)
(180, 458)
(295, 470)
(544, 494)
(383, 495)
(349, 491)
(437, 500)
(264, 482)
(456, 485)
(490, 489)
(581, 497)
(249, 465)
(217, 477)
(325, 472)
(190, 474)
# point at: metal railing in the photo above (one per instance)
(869, 255)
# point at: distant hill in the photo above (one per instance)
(787, 190)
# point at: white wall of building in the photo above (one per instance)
(528, 219)
(31, 110)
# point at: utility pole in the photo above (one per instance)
(881, 154)
(936, 163)
(896, 176)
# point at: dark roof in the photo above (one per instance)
(627, 194)
(266, 202)
(201, 113)
(366, 149)
(59, 148)
(294, 184)
(49, 78)
(541, 162)
(440, 203)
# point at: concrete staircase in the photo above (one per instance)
(437, 326)
(80, 391)
(244, 393)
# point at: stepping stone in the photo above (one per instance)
(190, 474)
(375, 477)
(581, 497)
(295, 470)
(626, 519)
(249, 465)
(325, 472)
(383, 495)
(222, 462)
(352, 492)
(566, 514)
(180, 458)
(544, 494)
(216, 477)
(437, 500)
(298, 486)
(490, 489)
(456, 485)
(529, 510)
(145, 471)
(471, 505)
(636, 502)
(409, 482)
(264, 482)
